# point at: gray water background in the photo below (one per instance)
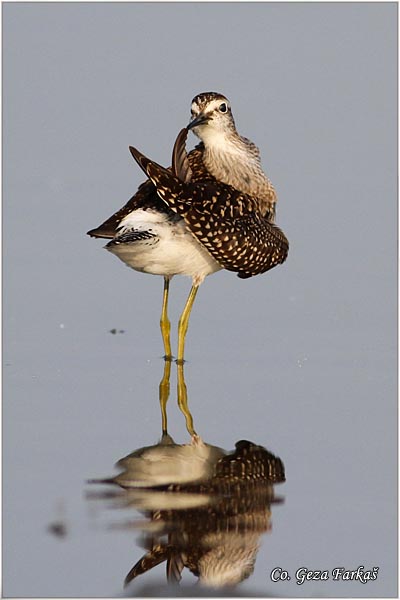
(301, 360)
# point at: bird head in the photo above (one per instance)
(211, 117)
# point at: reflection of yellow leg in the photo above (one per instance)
(164, 395)
(165, 323)
(184, 322)
(182, 400)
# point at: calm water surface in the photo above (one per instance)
(73, 420)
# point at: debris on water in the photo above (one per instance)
(301, 361)
(58, 526)
(58, 529)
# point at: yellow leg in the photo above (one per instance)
(183, 401)
(165, 322)
(184, 322)
(164, 395)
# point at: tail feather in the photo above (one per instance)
(140, 158)
(168, 186)
(180, 162)
(151, 559)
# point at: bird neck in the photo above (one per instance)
(234, 161)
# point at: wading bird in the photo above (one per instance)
(214, 209)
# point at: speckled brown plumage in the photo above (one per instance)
(226, 222)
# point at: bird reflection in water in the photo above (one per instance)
(218, 539)
(204, 509)
(164, 390)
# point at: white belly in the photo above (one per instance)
(172, 251)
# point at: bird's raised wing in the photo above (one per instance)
(146, 195)
(180, 163)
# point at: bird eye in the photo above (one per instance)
(223, 107)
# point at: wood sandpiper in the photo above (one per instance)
(213, 209)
